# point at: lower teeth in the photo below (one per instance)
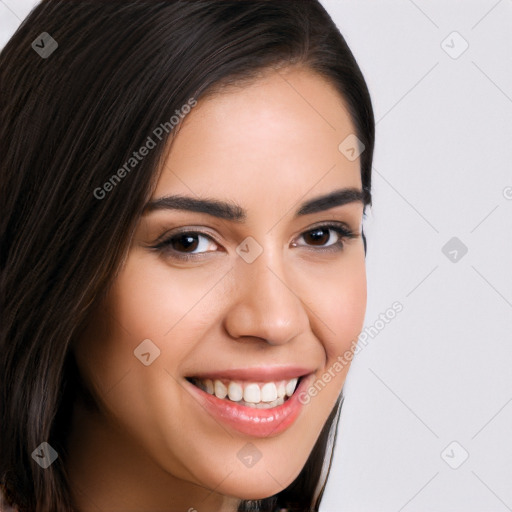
(260, 405)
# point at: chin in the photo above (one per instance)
(257, 485)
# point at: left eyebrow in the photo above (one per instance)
(336, 198)
(235, 213)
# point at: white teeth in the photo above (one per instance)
(268, 392)
(290, 386)
(235, 392)
(209, 388)
(221, 391)
(252, 393)
(263, 405)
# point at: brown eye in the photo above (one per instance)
(320, 237)
(317, 236)
(185, 242)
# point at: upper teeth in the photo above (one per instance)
(251, 392)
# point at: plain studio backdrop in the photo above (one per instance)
(426, 423)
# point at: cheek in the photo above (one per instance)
(171, 307)
(143, 303)
(150, 299)
(146, 303)
(341, 306)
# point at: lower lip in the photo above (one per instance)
(248, 420)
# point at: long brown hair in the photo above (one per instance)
(70, 120)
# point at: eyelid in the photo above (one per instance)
(170, 233)
(328, 223)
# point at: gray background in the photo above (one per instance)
(426, 423)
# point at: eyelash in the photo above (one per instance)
(164, 247)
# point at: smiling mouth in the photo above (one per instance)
(258, 395)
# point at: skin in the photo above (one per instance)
(269, 147)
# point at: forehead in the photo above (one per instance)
(274, 138)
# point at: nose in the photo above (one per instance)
(264, 303)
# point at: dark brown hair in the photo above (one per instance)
(70, 120)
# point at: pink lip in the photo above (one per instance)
(260, 373)
(250, 421)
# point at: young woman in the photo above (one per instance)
(183, 276)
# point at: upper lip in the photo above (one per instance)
(256, 373)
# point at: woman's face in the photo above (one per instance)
(256, 293)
